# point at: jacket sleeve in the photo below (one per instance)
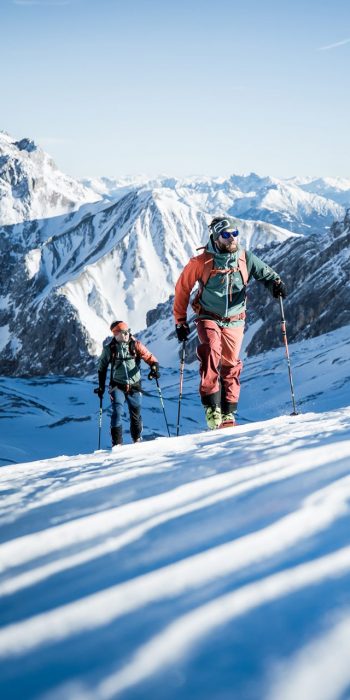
(260, 271)
(184, 285)
(104, 359)
(103, 363)
(145, 354)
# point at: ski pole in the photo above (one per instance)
(162, 403)
(100, 424)
(182, 365)
(284, 336)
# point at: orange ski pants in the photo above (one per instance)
(220, 366)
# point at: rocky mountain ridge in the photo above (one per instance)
(316, 271)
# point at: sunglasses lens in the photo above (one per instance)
(230, 234)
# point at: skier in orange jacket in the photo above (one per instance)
(223, 271)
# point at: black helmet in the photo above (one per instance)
(222, 223)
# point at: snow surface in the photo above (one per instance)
(211, 566)
(215, 565)
(32, 262)
(50, 416)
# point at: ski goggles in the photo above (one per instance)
(229, 234)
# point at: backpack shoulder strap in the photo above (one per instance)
(206, 261)
(113, 351)
(242, 266)
(133, 351)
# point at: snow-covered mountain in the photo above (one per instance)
(71, 273)
(82, 263)
(114, 264)
(212, 566)
(335, 188)
(316, 270)
(31, 186)
(303, 205)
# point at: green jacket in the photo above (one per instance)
(125, 359)
(223, 294)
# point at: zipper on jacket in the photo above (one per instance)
(229, 281)
(227, 285)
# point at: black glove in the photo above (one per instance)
(99, 391)
(182, 331)
(279, 289)
(154, 372)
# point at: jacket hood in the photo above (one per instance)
(210, 247)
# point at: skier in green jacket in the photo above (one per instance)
(124, 353)
(223, 271)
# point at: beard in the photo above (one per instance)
(229, 246)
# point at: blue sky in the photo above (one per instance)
(112, 87)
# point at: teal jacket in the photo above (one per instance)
(125, 359)
(224, 294)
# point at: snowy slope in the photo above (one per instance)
(49, 416)
(213, 566)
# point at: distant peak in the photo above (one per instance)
(26, 145)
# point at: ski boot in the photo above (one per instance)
(117, 436)
(213, 417)
(228, 420)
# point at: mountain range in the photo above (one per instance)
(302, 205)
(76, 255)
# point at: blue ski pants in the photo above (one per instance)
(133, 400)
